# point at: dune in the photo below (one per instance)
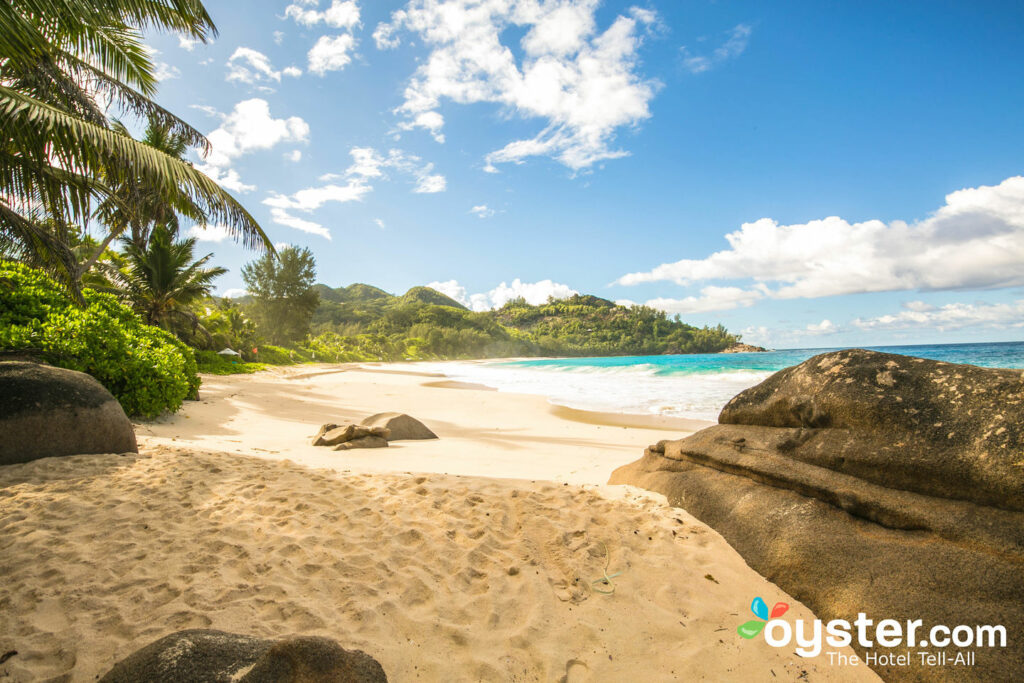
(473, 557)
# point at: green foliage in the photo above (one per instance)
(582, 325)
(212, 364)
(283, 294)
(147, 369)
(62, 66)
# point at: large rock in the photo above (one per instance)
(400, 425)
(47, 411)
(363, 442)
(201, 656)
(868, 482)
(333, 435)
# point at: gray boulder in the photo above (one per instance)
(203, 656)
(47, 411)
(333, 435)
(401, 426)
(867, 482)
(371, 441)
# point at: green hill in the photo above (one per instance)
(426, 295)
(425, 323)
(359, 292)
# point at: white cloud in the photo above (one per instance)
(292, 71)
(209, 233)
(165, 72)
(974, 241)
(535, 293)
(278, 37)
(367, 164)
(826, 326)
(482, 211)
(250, 66)
(186, 43)
(953, 316)
(226, 178)
(250, 127)
(341, 14)
(711, 299)
(235, 293)
(206, 109)
(295, 155)
(733, 47)
(583, 84)
(379, 223)
(430, 184)
(331, 54)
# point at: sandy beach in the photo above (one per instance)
(472, 557)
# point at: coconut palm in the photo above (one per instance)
(163, 280)
(62, 63)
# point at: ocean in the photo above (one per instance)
(693, 386)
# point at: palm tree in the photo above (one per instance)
(162, 281)
(59, 59)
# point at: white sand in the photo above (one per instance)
(439, 577)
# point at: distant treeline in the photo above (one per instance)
(426, 323)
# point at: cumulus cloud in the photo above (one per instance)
(165, 72)
(367, 164)
(209, 233)
(341, 14)
(733, 47)
(249, 127)
(482, 211)
(295, 155)
(974, 241)
(251, 66)
(235, 293)
(379, 223)
(535, 293)
(955, 316)
(582, 83)
(331, 53)
(711, 299)
(187, 44)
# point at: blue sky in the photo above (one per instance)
(807, 173)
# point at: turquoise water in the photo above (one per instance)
(1001, 355)
(694, 386)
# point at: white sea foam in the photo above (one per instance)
(622, 389)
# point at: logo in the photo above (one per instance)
(760, 610)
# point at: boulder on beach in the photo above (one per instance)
(371, 441)
(868, 482)
(401, 426)
(204, 656)
(47, 411)
(333, 435)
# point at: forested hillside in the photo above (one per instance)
(437, 325)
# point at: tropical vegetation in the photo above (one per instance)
(96, 276)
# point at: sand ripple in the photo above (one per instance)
(438, 577)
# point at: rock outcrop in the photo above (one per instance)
(401, 426)
(335, 435)
(47, 411)
(201, 656)
(370, 441)
(744, 348)
(868, 482)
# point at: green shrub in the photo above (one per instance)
(211, 363)
(147, 369)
